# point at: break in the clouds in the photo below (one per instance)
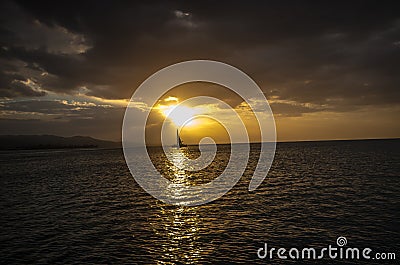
(308, 57)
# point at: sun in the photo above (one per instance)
(180, 115)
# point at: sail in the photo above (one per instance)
(179, 142)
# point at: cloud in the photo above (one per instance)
(280, 51)
(170, 98)
(179, 14)
(184, 19)
(61, 117)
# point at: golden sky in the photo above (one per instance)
(317, 124)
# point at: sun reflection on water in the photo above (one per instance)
(179, 178)
(178, 227)
(179, 239)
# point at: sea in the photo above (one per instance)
(82, 206)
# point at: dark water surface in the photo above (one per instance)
(83, 206)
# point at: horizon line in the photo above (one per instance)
(300, 141)
(279, 141)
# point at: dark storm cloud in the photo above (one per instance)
(42, 107)
(60, 109)
(332, 56)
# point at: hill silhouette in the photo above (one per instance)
(13, 142)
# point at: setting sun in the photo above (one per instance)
(180, 115)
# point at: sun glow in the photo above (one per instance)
(180, 115)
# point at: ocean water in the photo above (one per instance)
(84, 207)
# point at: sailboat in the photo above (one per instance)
(179, 142)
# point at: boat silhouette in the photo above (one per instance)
(179, 142)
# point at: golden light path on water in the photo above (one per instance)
(179, 226)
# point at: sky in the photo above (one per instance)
(329, 70)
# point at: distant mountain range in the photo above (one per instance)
(12, 142)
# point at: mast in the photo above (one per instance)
(178, 140)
